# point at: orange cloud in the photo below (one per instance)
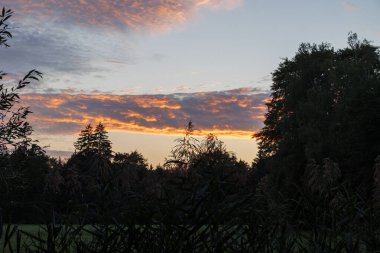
(234, 114)
(132, 114)
(151, 15)
(149, 102)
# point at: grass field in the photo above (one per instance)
(154, 238)
(33, 236)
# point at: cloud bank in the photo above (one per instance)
(234, 113)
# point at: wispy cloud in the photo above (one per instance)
(58, 36)
(220, 4)
(153, 15)
(183, 88)
(235, 113)
(349, 6)
(46, 50)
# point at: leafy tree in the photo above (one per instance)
(32, 165)
(22, 162)
(72, 187)
(185, 149)
(4, 27)
(130, 169)
(14, 129)
(134, 159)
(54, 179)
(324, 103)
(214, 162)
(355, 125)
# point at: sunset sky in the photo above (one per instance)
(145, 68)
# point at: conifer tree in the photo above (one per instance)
(85, 143)
(102, 144)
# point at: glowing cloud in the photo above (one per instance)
(153, 15)
(235, 113)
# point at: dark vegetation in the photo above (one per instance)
(314, 186)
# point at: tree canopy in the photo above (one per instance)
(324, 103)
(94, 142)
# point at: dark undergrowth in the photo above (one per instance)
(264, 222)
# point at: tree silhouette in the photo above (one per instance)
(22, 163)
(185, 149)
(86, 141)
(102, 144)
(134, 159)
(14, 129)
(324, 103)
(94, 142)
(4, 27)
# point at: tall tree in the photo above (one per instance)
(102, 144)
(355, 135)
(94, 142)
(86, 141)
(93, 159)
(324, 103)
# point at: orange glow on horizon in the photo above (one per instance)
(151, 114)
(120, 126)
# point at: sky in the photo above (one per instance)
(145, 68)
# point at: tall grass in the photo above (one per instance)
(263, 222)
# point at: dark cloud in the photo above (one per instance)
(234, 113)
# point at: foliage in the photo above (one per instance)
(86, 140)
(14, 129)
(320, 101)
(134, 159)
(94, 142)
(101, 141)
(185, 149)
(4, 27)
(23, 163)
